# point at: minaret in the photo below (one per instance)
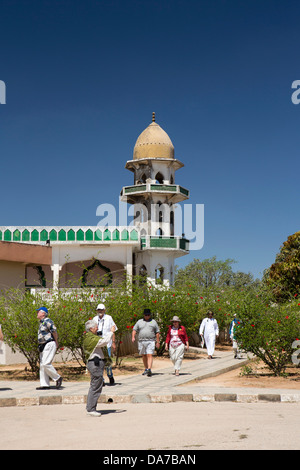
(154, 195)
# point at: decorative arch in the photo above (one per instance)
(172, 224)
(143, 275)
(95, 264)
(41, 277)
(159, 274)
(159, 178)
(143, 270)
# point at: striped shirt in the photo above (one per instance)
(45, 331)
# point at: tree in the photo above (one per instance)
(214, 273)
(283, 277)
(241, 280)
(207, 273)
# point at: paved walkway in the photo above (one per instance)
(162, 387)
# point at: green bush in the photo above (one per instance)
(18, 318)
(268, 331)
(70, 312)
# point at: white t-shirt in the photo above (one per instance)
(105, 324)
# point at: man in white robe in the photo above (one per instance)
(210, 331)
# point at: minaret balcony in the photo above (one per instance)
(174, 192)
(180, 244)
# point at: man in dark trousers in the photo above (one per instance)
(92, 347)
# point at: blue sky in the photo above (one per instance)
(83, 77)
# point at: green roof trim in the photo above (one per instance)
(69, 234)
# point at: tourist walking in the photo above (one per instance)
(176, 341)
(232, 328)
(1, 339)
(209, 330)
(92, 348)
(47, 344)
(104, 324)
(148, 338)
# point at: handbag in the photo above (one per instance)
(42, 346)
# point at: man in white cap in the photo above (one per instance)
(105, 323)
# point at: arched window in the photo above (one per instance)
(159, 179)
(141, 179)
(143, 275)
(96, 275)
(159, 232)
(158, 212)
(140, 213)
(171, 223)
(143, 270)
(159, 274)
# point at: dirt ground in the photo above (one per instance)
(261, 377)
(71, 370)
(254, 374)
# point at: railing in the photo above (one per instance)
(177, 243)
(161, 188)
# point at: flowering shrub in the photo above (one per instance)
(127, 307)
(69, 313)
(266, 330)
(19, 324)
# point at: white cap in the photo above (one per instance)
(100, 307)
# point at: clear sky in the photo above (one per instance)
(83, 78)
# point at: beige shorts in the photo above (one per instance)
(146, 347)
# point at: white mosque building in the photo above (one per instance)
(82, 254)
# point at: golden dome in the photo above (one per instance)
(153, 142)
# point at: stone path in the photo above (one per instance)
(162, 387)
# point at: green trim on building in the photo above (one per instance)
(71, 235)
(65, 234)
(163, 187)
(17, 235)
(163, 242)
(25, 236)
(170, 188)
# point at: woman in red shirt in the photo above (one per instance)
(176, 340)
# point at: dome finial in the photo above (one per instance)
(153, 117)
